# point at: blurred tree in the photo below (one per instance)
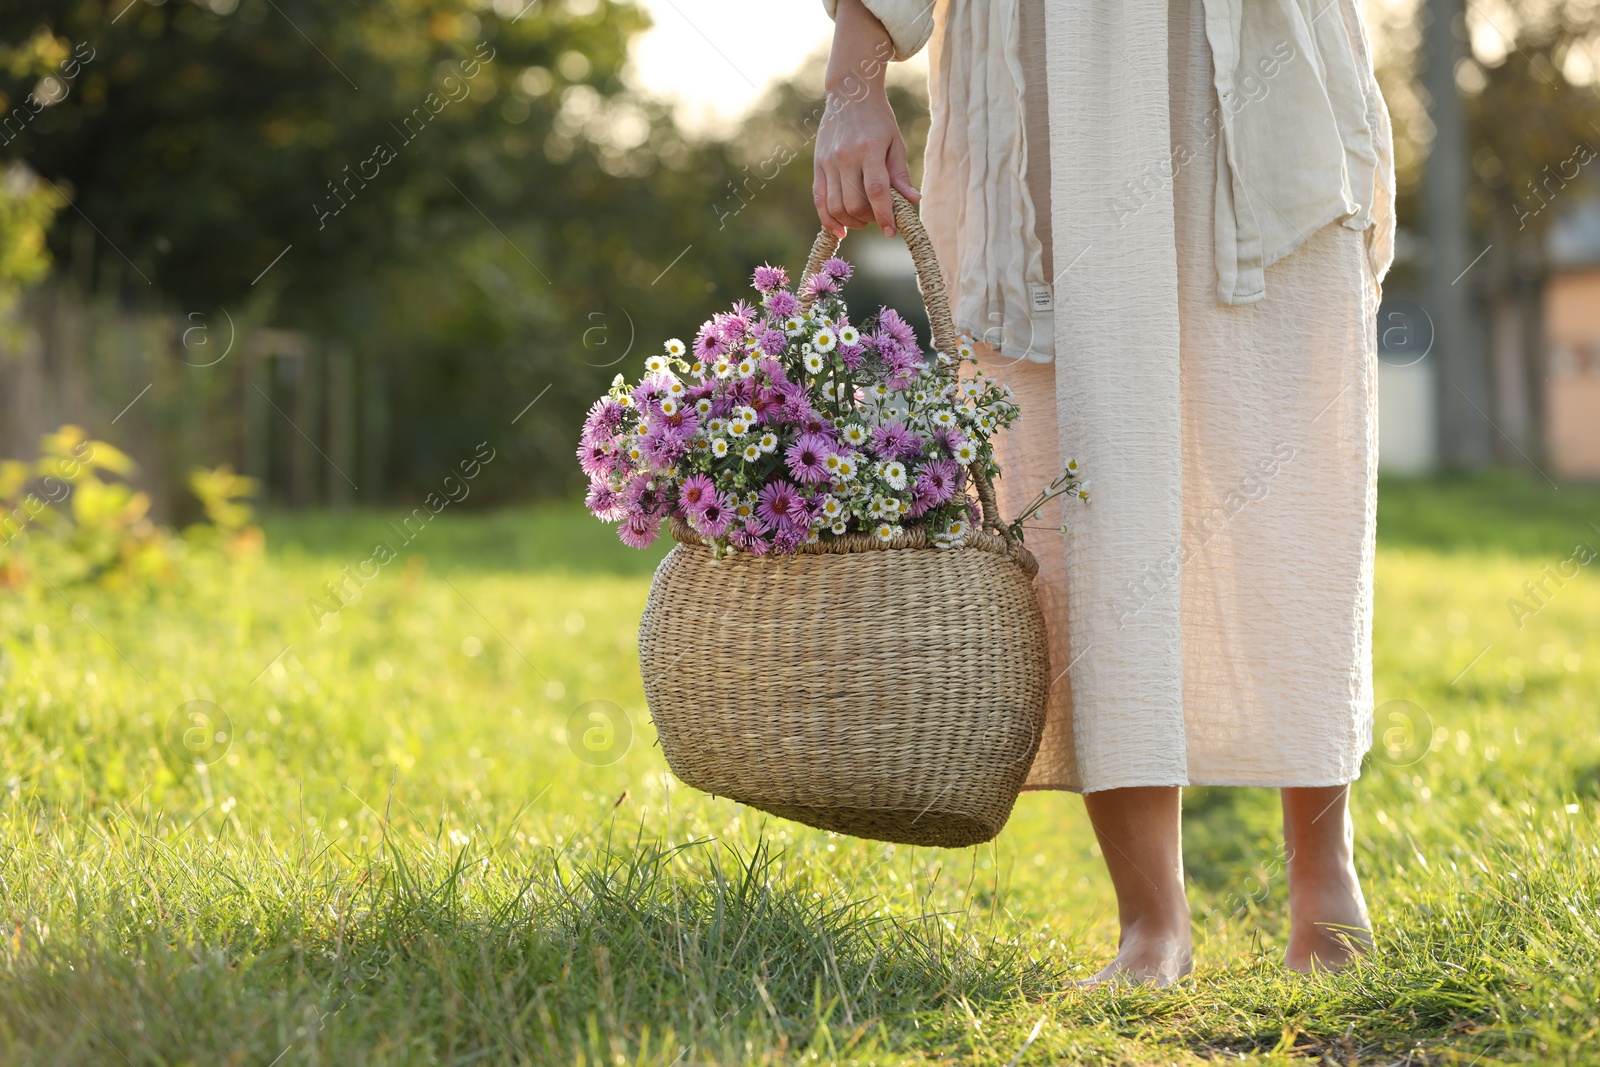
(460, 200)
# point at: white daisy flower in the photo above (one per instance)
(957, 530)
(738, 427)
(722, 368)
(832, 461)
(768, 442)
(656, 364)
(669, 406)
(811, 537)
(716, 425)
(886, 531)
(831, 507)
(1072, 465)
(855, 434)
(793, 325)
(814, 362)
(965, 453)
(747, 367)
(964, 350)
(747, 413)
(920, 396)
(845, 468)
(702, 406)
(675, 347)
(881, 391)
(635, 453)
(848, 335)
(825, 339)
(743, 509)
(675, 388)
(839, 527)
(944, 417)
(719, 447)
(752, 452)
(970, 389)
(893, 472)
(698, 369)
(625, 400)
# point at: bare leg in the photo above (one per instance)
(1140, 834)
(1328, 922)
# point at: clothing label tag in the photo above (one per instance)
(1041, 297)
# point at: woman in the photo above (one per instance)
(1167, 221)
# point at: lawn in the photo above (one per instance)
(266, 814)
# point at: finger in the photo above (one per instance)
(856, 200)
(836, 206)
(900, 172)
(819, 196)
(876, 179)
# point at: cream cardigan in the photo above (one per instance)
(1302, 138)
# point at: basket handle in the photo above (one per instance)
(930, 283)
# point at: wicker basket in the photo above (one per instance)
(885, 690)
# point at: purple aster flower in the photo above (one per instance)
(788, 540)
(767, 278)
(594, 457)
(852, 355)
(713, 517)
(782, 303)
(772, 342)
(891, 325)
(604, 502)
(639, 531)
(779, 504)
(939, 477)
(837, 268)
(706, 343)
(662, 448)
(890, 440)
(818, 284)
(696, 491)
(603, 420)
(808, 458)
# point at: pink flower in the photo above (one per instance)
(892, 326)
(639, 531)
(604, 502)
(808, 458)
(696, 492)
(891, 440)
(818, 284)
(779, 504)
(767, 278)
(940, 477)
(788, 540)
(837, 268)
(662, 448)
(782, 303)
(713, 517)
(603, 420)
(772, 342)
(595, 458)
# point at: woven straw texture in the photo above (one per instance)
(894, 691)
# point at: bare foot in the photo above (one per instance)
(1159, 958)
(1328, 924)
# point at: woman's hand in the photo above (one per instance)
(860, 154)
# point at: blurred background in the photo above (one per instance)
(336, 246)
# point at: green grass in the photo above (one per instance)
(400, 857)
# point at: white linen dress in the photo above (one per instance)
(1204, 345)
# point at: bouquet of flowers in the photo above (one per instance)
(788, 423)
